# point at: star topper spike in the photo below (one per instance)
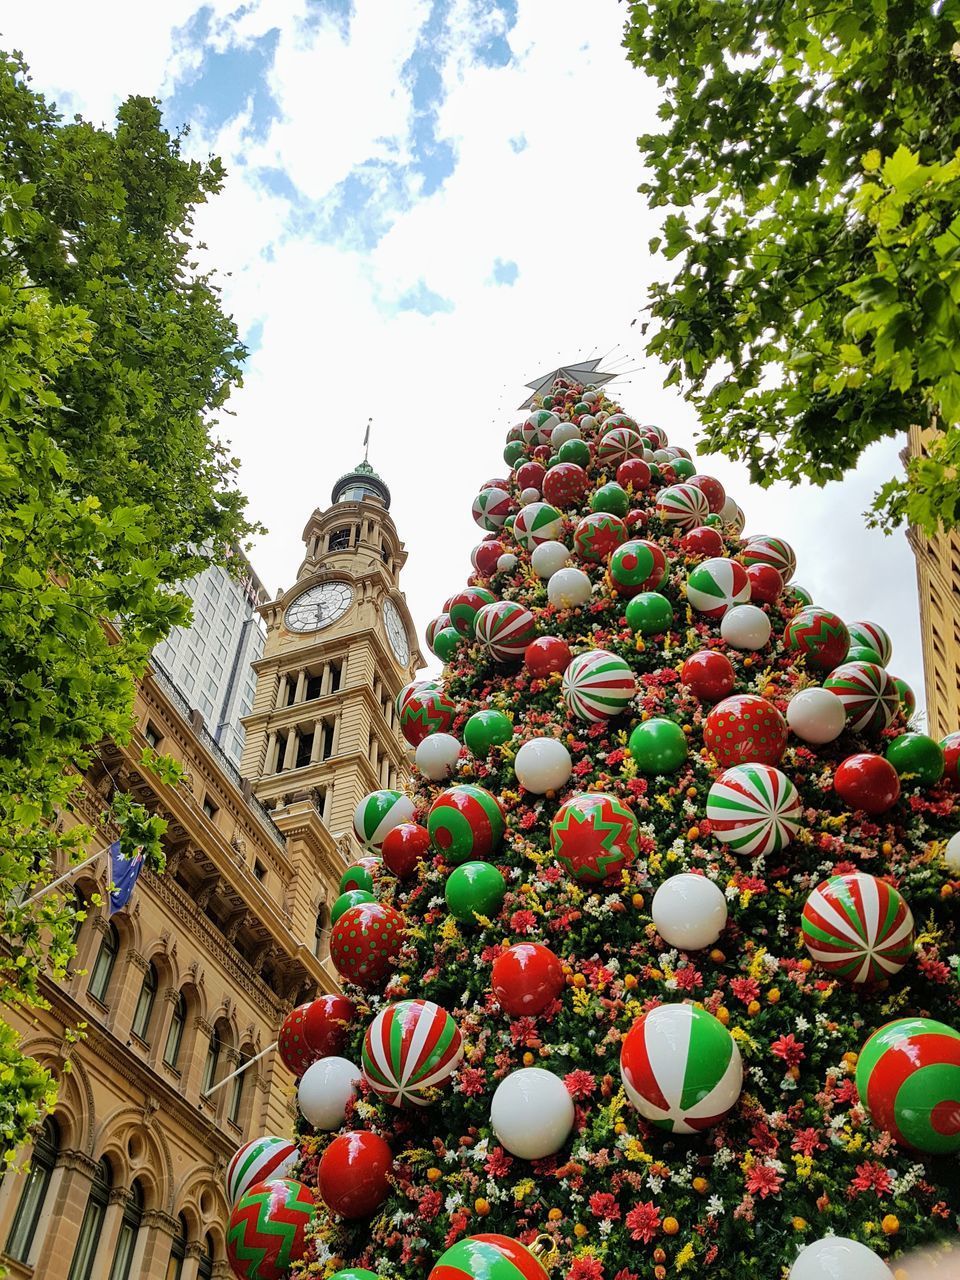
(578, 371)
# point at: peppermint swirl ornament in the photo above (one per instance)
(598, 685)
(505, 628)
(869, 695)
(535, 523)
(683, 505)
(594, 836)
(872, 636)
(410, 1049)
(908, 1078)
(538, 426)
(858, 927)
(681, 1068)
(375, 815)
(617, 421)
(259, 1161)
(617, 445)
(762, 549)
(754, 808)
(715, 585)
(465, 823)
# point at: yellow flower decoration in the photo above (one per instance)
(685, 1256)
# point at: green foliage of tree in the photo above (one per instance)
(114, 352)
(808, 167)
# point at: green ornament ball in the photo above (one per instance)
(795, 594)
(487, 729)
(352, 898)
(862, 653)
(445, 643)
(513, 452)
(611, 498)
(915, 756)
(577, 451)
(548, 402)
(649, 613)
(713, 521)
(509, 523)
(908, 699)
(553, 461)
(581, 407)
(658, 746)
(656, 475)
(475, 887)
(683, 468)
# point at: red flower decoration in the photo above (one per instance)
(643, 1221)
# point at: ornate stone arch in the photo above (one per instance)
(75, 1109)
(132, 1137)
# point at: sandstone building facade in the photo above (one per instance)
(194, 976)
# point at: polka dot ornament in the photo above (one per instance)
(745, 729)
(364, 942)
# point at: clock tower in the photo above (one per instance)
(340, 645)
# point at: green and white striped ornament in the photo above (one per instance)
(754, 808)
(378, 813)
(411, 1049)
(617, 445)
(872, 636)
(682, 505)
(598, 685)
(505, 628)
(869, 695)
(259, 1161)
(762, 549)
(681, 1068)
(858, 927)
(535, 523)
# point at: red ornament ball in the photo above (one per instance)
(635, 520)
(314, 1030)
(702, 541)
(745, 729)
(565, 484)
(525, 978)
(951, 759)
(403, 847)
(354, 1172)
(634, 472)
(542, 453)
(485, 557)
(766, 583)
(546, 655)
(868, 782)
(712, 490)
(709, 674)
(529, 476)
(365, 941)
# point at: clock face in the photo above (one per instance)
(319, 607)
(396, 632)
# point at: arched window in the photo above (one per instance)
(321, 929)
(179, 1250)
(148, 994)
(34, 1193)
(103, 965)
(171, 1050)
(129, 1229)
(84, 1255)
(236, 1090)
(214, 1049)
(205, 1269)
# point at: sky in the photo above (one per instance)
(428, 203)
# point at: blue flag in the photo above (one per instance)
(123, 877)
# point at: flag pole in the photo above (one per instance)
(66, 876)
(240, 1070)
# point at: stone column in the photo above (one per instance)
(193, 1054)
(290, 751)
(326, 679)
(270, 760)
(281, 698)
(327, 804)
(66, 1205)
(112, 1220)
(154, 1243)
(317, 742)
(191, 1262)
(335, 741)
(301, 685)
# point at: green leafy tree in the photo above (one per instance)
(114, 352)
(808, 164)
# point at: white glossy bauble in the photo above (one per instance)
(324, 1090)
(531, 1113)
(837, 1258)
(548, 558)
(816, 715)
(690, 912)
(647, 455)
(602, 416)
(529, 495)
(568, 588)
(745, 626)
(542, 765)
(590, 397)
(728, 512)
(661, 456)
(507, 562)
(588, 423)
(565, 431)
(952, 853)
(437, 756)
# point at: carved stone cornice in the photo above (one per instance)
(157, 1220)
(117, 1195)
(78, 1162)
(137, 961)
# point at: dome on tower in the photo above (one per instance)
(362, 482)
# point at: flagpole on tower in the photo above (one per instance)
(366, 441)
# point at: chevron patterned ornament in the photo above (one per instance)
(762, 549)
(259, 1161)
(717, 584)
(365, 941)
(872, 636)
(616, 421)
(421, 686)
(754, 808)
(598, 685)
(267, 1231)
(410, 1050)
(491, 508)
(375, 815)
(682, 505)
(426, 711)
(819, 636)
(598, 535)
(505, 628)
(538, 426)
(858, 927)
(487, 1257)
(638, 566)
(465, 606)
(535, 523)
(617, 445)
(869, 695)
(594, 836)
(465, 823)
(681, 1068)
(908, 1078)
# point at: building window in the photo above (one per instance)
(152, 735)
(178, 1252)
(304, 747)
(171, 1051)
(129, 1229)
(103, 965)
(209, 808)
(34, 1193)
(339, 540)
(320, 933)
(84, 1256)
(336, 671)
(236, 1091)
(144, 1011)
(205, 1269)
(214, 1049)
(259, 870)
(313, 688)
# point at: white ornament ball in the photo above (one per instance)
(745, 626)
(507, 562)
(837, 1258)
(548, 558)
(325, 1089)
(568, 588)
(729, 510)
(587, 423)
(529, 495)
(542, 764)
(437, 756)
(531, 1113)
(816, 715)
(590, 397)
(602, 416)
(690, 912)
(563, 432)
(660, 456)
(952, 853)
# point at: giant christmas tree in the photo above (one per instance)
(654, 967)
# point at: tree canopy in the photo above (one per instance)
(808, 170)
(114, 354)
